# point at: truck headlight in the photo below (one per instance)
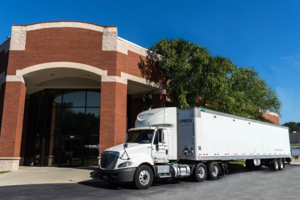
(125, 164)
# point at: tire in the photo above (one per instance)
(275, 165)
(143, 177)
(199, 173)
(280, 164)
(213, 171)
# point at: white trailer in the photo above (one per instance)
(170, 143)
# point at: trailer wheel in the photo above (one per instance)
(143, 177)
(199, 173)
(275, 165)
(213, 170)
(280, 164)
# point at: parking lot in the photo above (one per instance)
(238, 184)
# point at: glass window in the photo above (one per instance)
(55, 96)
(73, 121)
(157, 138)
(141, 136)
(92, 121)
(93, 98)
(74, 98)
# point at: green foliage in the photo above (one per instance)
(293, 126)
(195, 78)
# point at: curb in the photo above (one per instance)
(54, 182)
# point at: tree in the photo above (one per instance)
(293, 126)
(195, 78)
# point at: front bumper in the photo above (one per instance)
(117, 176)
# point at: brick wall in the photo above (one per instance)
(78, 45)
(12, 119)
(113, 114)
(273, 118)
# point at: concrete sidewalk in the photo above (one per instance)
(41, 175)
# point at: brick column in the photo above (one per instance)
(137, 106)
(159, 98)
(12, 125)
(113, 113)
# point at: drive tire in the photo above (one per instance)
(213, 171)
(280, 164)
(275, 165)
(143, 177)
(199, 173)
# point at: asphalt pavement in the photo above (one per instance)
(239, 184)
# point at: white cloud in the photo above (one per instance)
(293, 60)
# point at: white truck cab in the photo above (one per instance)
(171, 143)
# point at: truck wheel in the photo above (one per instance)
(280, 164)
(213, 170)
(143, 177)
(275, 165)
(200, 173)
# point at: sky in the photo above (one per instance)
(260, 34)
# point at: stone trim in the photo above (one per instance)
(141, 80)
(14, 78)
(18, 40)
(11, 78)
(10, 158)
(114, 79)
(109, 39)
(160, 91)
(70, 65)
(5, 45)
(124, 46)
(60, 24)
(271, 113)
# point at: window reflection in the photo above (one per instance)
(74, 98)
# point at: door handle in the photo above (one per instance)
(166, 151)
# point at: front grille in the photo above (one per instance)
(108, 160)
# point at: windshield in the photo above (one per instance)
(140, 136)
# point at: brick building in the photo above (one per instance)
(55, 77)
(68, 86)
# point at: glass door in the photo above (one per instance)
(71, 153)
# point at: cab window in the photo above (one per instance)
(158, 136)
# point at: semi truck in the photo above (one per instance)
(192, 143)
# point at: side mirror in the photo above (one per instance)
(125, 145)
(98, 146)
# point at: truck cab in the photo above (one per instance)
(148, 144)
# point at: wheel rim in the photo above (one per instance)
(281, 165)
(276, 164)
(201, 172)
(144, 177)
(215, 171)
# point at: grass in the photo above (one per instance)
(2, 172)
(236, 164)
(295, 144)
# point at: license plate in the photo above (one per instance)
(104, 177)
